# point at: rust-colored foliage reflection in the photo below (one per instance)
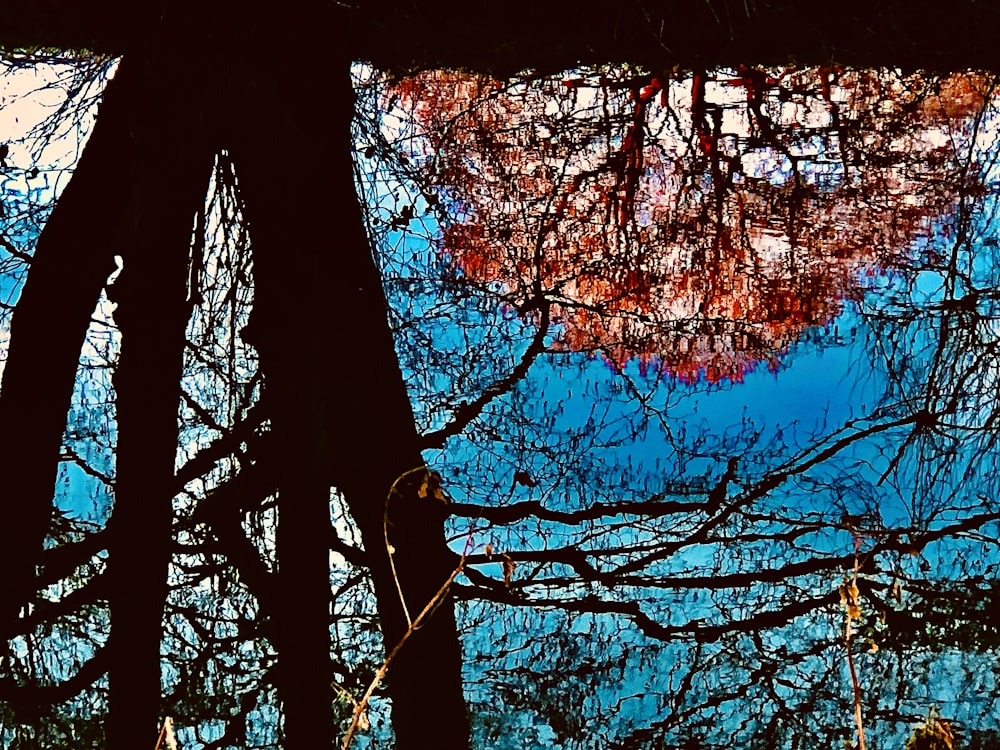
(700, 222)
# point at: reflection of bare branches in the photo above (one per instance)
(70, 454)
(465, 413)
(697, 628)
(359, 717)
(686, 231)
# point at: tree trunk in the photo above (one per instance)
(166, 182)
(72, 260)
(339, 407)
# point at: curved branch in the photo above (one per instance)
(466, 413)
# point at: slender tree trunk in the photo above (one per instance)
(134, 192)
(339, 407)
(165, 186)
(72, 260)
(278, 176)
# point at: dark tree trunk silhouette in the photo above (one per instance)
(339, 409)
(335, 392)
(164, 186)
(72, 260)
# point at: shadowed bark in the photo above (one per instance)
(72, 260)
(134, 193)
(340, 411)
(165, 186)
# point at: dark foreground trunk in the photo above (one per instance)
(339, 409)
(72, 260)
(139, 181)
(165, 186)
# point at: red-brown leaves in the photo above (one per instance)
(701, 227)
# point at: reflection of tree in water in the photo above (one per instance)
(656, 561)
(664, 571)
(701, 222)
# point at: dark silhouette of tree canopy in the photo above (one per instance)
(253, 420)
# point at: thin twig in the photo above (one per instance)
(361, 706)
(849, 594)
(167, 735)
(388, 547)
